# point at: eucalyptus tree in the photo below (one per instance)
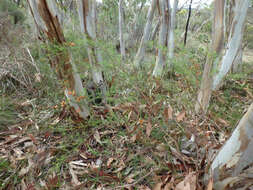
(232, 167)
(163, 34)
(121, 26)
(217, 63)
(141, 51)
(155, 30)
(234, 41)
(187, 22)
(87, 16)
(217, 47)
(134, 24)
(47, 22)
(172, 28)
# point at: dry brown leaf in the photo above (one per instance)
(133, 138)
(170, 112)
(181, 116)
(167, 114)
(148, 129)
(224, 122)
(109, 162)
(189, 182)
(158, 186)
(210, 184)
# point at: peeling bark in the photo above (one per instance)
(234, 41)
(233, 166)
(205, 91)
(141, 51)
(46, 19)
(87, 16)
(163, 34)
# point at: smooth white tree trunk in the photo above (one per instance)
(232, 168)
(121, 26)
(46, 19)
(87, 16)
(141, 51)
(235, 39)
(217, 46)
(161, 57)
(171, 41)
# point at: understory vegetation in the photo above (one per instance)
(141, 139)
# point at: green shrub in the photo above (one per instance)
(13, 10)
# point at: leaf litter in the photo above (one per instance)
(147, 144)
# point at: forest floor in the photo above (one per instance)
(147, 137)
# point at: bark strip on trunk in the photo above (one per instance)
(162, 44)
(234, 43)
(217, 47)
(233, 166)
(47, 21)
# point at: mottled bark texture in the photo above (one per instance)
(87, 16)
(234, 41)
(141, 51)
(162, 43)
(205, 91)
(233, 166)
(46, 19)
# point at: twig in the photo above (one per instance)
(33, 62)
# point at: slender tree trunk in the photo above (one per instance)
(161, 57)
(87, 16)
(153, 34)
(133, 38)
(235, 40)
(171, 29)
(232, 168)
(141, 51)
(187, 23)
(46, 19)
(237, 63)
(217, 46)
(121, 26)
